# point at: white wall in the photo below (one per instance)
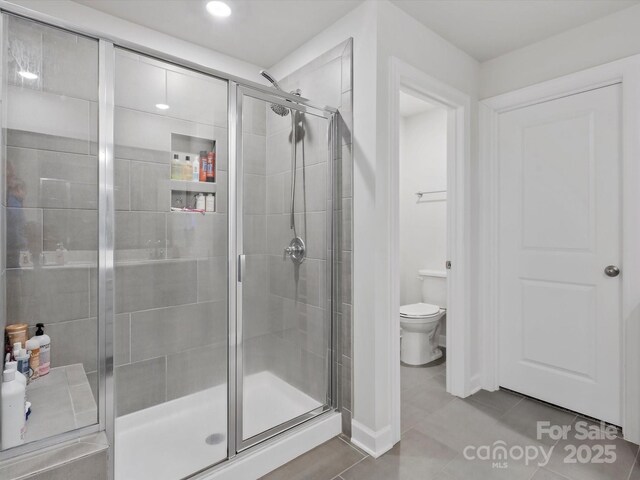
(423, 223)
(601, 41)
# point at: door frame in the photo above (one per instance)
(627, 73)
(235, 419)
(406, 78)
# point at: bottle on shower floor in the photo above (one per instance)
(13, 403)
(45, 349)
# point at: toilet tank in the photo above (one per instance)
(434, 287)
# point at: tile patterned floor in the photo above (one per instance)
(436, 428)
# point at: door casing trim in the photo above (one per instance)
(459, 379)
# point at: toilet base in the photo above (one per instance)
(418, 348)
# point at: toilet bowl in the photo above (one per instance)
(420, 324)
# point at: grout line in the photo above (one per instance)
(449, 462)
(635, 460)
(509, 409)
(130, 335)
(166, 382)
(359, 461)
(89, 294)
(534, 473)
(558, 474)
(353, 447)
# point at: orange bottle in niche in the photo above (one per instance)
(203, 166)
(211, 167)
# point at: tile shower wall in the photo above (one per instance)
(327, 81)
(50, 188)
(171, 267)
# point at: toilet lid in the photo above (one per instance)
(419, 310)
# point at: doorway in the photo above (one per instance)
(423, 256)
(458, 378)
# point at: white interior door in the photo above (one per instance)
(560, 225)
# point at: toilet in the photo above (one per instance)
(420, 322)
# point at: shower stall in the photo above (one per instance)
(173, 228)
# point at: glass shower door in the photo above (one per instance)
(284, 285)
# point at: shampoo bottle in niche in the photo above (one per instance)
(176, 167)
(45, 349)
(200, 202)
(13, 404)
(195, 169)
(186, 168)
(203, 166)
(210, 203)
(33, 346)
(211, 166)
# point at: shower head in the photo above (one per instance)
(277, 109)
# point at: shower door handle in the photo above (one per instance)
(241, 265)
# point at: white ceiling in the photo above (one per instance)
(410, 105)
(265, 31)
(262, 32)
(486, 29)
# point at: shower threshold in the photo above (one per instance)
(177, 438)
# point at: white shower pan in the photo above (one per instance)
(176, 438)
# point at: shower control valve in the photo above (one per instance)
(296, 250)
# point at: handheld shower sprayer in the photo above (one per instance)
(277, 109)
(296, 249)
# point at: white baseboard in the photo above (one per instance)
(268, 458)
(373, 443)
(475, 384)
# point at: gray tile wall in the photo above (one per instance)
(171, 267)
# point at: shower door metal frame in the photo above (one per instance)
(237, 255)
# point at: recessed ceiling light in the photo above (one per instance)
(162, 106)
(218, 9)
(27, 75)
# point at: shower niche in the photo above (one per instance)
(193, 174)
